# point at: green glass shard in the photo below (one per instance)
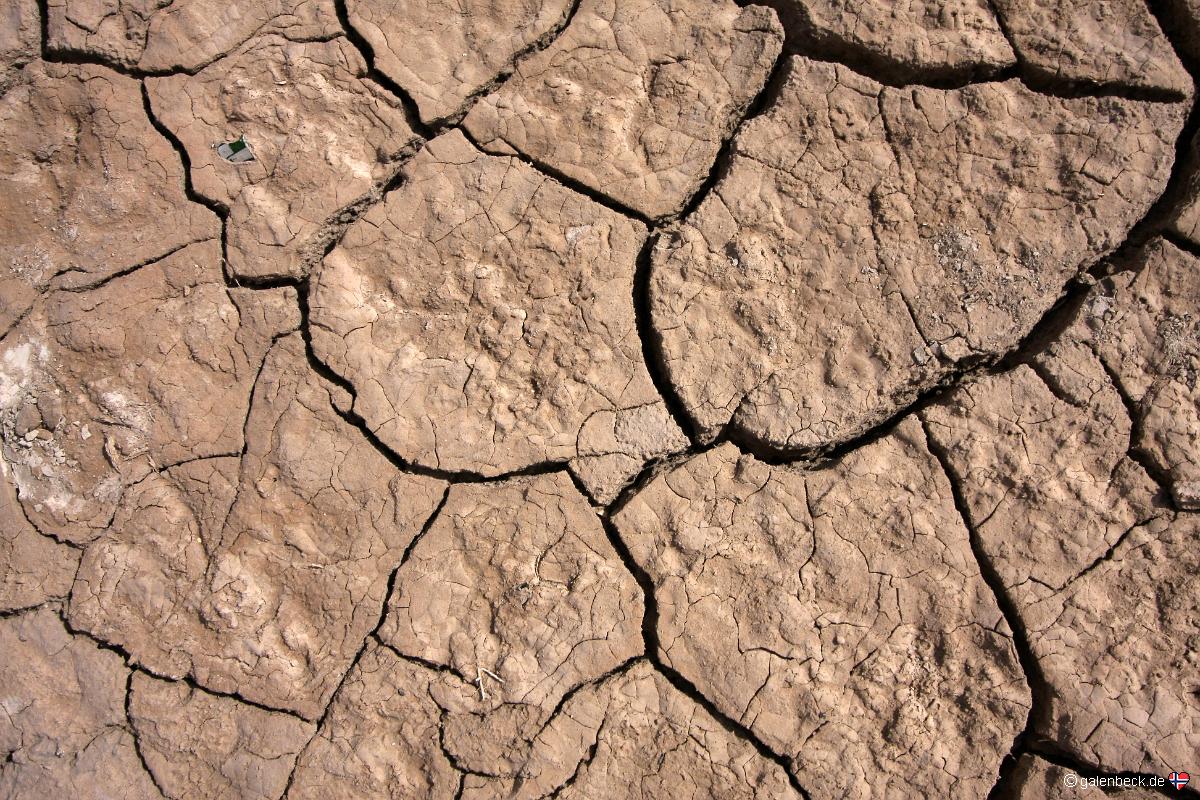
(237, 151)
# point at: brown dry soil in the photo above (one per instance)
(597, 399)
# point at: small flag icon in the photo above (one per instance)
(1179, 779)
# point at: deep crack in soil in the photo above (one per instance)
(658, 115)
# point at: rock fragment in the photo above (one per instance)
(157, 36)
(324, 136)
(64, 731)
(33, 568)
(89, 189)
(839, 614)
(443, 53)
(1114, 44)
(515, 587)
(932, 40)
(1037, 779)
(860, 224)
(484, 315)
(258, 576)
(199, 745)
(152, 368)
(634, 99)
(636, 736)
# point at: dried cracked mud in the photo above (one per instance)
(596, 399)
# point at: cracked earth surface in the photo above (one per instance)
(597, 399)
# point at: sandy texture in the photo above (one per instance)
(635, 98)
(866, 240)
(323, 135)
(838, 614)
(918, 40)
(461, 311)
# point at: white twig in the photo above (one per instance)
(479, 673)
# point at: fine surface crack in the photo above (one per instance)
(1040, 694)
(682, 684)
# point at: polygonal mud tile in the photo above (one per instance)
(183, 35)
(484, 314)
(442, 53)
(867, 241)
(1117, 43)
(322, 134)
(64, 731)
(259, 576)
(88, 188)
(635, 99)
(912, 41)
(839, 614)
(199, 745)
(517, 588)
(150, 369)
